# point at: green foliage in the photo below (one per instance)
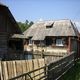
(73, 73)
(24, 26)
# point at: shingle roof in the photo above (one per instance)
(38, 30)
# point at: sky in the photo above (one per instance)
(34, 10)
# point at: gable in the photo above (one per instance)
(7, 21)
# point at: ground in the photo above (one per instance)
(73, 73)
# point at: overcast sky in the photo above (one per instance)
(34, 10)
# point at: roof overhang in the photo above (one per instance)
(20, 36)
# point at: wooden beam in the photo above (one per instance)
(69, 44)
(78, 46)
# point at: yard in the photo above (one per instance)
(73, 73)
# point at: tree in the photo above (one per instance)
(31, 23)
(25, 26)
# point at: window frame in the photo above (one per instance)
(59, 42)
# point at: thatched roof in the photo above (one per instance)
(39, 30)
(19, 36)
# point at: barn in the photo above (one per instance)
(10, 47)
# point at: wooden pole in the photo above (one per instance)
(32, 49)
(69, 44)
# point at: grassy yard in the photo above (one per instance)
(73, 73)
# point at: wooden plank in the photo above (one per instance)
(14, 68)
(36, 66)
(19, 68)
(27, 65)
(5, 70)
(31, 67)
(41, 64)
(10, 69)
(24, 68)
(1, 70)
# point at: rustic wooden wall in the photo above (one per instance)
(3, 45)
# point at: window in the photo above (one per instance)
(30, 41)
(49, 26)
(59, 42)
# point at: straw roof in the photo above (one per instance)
(39, 30)
(19, 36)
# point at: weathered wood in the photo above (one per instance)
(5, 71)
(1, 75)
(41, 64)
(36, 66)
(36, 69)
(8, 27)
(10, 69)
(31, 67)
(57, 68)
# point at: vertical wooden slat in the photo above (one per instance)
(10, 69)
(1, 70)
(41, 64)
(14, 68)
(19, 68)
(31, 67)
(27, 65)
(69, 44)
(36, 66)
(5, 71)
(24, 68)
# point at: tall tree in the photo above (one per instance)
(26, 25)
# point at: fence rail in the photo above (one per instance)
(51, 71)
(46, 55)
(29, 74)
(10, 69)
(59, 67)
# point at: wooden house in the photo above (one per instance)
(10, 47)
(59, 36)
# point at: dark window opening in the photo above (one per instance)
(15, 45)
(49, 41)
(49, 26)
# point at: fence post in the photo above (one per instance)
(42, 54)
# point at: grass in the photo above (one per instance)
(73, 73)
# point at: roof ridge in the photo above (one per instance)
(52, 20)
(1, 4)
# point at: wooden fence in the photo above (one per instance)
(58, 68)
(46, 55)
(10, 69)
(51, 71)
